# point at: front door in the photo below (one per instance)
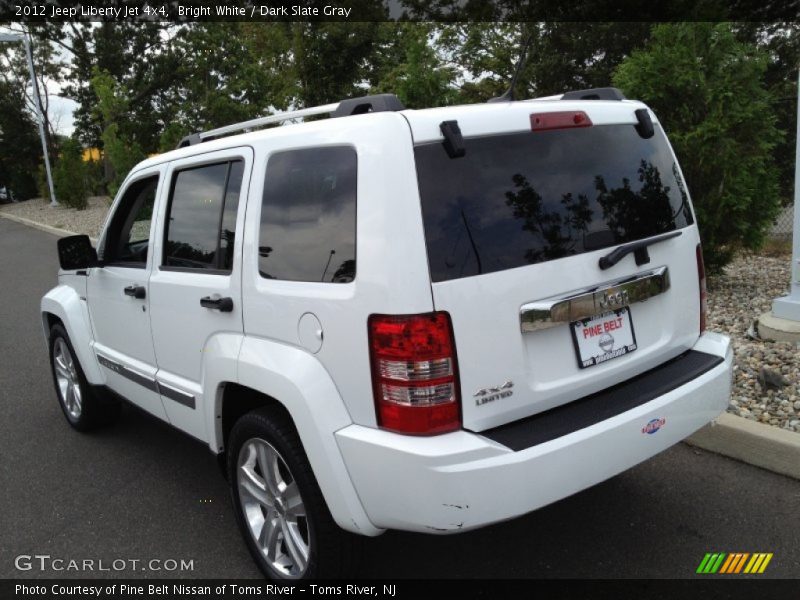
(118, 299)
(195, 288)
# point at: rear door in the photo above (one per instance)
(515, 231)
(195, 288)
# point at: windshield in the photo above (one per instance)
(526, 198)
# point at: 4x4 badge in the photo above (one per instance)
(486, 395)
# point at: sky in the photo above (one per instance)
(61, 113)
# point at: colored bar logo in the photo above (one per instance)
(734, 563)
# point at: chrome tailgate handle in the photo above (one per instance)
(544, 314)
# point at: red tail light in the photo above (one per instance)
(559, 120)
(701, 275)
(415, 373)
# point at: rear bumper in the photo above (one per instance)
(463, 480)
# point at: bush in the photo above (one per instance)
(707, 89)
(41, 183)
(69, 178)
(123, 154)
(95, 179)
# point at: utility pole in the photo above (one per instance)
(783, 323)
(16, 37)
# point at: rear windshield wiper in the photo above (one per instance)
(639, 249)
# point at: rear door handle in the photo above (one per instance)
(137, 291)
(220, 304)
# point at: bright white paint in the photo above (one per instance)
(374, 479)
(461, 481)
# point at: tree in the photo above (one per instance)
(781, 42)
(139, 57)
(331, 59)
(140, 60)
(70, 176)
(15, 75)
(407, 63)
(707, 88)
(121, 150)
(227, 72)
(562, 56)
(20, 149)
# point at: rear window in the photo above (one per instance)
(527, 198)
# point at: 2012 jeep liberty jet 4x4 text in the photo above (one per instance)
(425, 320)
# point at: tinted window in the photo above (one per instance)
(202, 217)
(229, 210)
(525, 198)
(308, 216)
(129, 233)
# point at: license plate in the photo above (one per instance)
(603, 337)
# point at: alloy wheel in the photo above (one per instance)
(273, 508)
(69, 386)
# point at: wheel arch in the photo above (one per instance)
(271, 373)
(63, 305)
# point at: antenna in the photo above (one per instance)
(509, 95)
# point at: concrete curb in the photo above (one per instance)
(41, 226)
(754, 443)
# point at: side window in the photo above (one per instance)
(128, 238)
(308, 216)
(201, 218)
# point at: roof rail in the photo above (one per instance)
(345, 108)
(604, 93)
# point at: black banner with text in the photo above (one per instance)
(552, 589)
(264, 11)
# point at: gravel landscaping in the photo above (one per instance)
(89, 221)
(736, 298)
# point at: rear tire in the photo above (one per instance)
(82, 407)
(279, 507)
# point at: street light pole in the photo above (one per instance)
(788, 307)
(12, 37)
(38, 100)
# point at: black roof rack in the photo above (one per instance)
(604, 93)
(365, 104)
(344, 108)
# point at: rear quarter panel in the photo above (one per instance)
(391, 262)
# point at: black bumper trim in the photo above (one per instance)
(582, 413)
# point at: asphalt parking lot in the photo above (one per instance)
(141, 491)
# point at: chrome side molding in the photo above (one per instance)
(544, 314)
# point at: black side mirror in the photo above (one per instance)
(76, 252)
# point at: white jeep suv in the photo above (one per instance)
(426, 320)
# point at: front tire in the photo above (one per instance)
(83, 409)
(278, 504)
